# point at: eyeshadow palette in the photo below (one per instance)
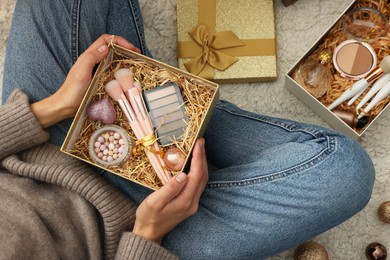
(167, 112)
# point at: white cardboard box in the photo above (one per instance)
(316, 105)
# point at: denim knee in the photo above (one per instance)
(356, 173)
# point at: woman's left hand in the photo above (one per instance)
(177, 200)
(65, 102)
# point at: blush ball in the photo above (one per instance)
(102, 110)
(174, 159)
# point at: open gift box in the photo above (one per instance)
(199, 97)
(322, 63)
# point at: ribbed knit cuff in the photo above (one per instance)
(19, 128)
(132, 246)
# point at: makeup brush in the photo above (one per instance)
(114, 90)
(139, 108)
(125, 78)
(126, 81)
(382, 94)
(374, 89)
(137, 85)
(361, 85)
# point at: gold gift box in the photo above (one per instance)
(227, 41)
(76, 141)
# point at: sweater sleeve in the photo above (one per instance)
(136, 247)
(19, 128)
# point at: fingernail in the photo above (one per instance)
(102, 48)
(181, 177)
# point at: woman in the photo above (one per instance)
(274, 182)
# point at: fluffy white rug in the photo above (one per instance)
(298, 27)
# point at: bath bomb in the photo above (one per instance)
(102, 110)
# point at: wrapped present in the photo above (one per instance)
(138, 156)
(227, 41)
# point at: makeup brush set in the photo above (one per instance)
(346, 74)
(140, 118)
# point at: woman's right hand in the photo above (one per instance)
(177, 200)
(65, 102)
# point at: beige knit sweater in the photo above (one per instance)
(53, 206)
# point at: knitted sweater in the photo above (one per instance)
(53, 206)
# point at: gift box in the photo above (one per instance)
(227, 41)
(324, 58)
(199, 97)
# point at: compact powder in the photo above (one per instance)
(354, 59)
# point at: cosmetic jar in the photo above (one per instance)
(354, 59)
(351, 119)
(314, 77)
(365, 24)
(110, 145)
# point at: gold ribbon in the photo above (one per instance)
(211, 44)
(147, 143)
(212, 50)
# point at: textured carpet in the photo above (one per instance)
(298, 27)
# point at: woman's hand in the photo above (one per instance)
(161, 211)
(65, 102)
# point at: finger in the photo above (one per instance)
(168, 192)
(198, 172)
(92, 56)
(120, 41)
(203, 167)
(107, 38)
(100, 45)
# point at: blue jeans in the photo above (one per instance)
(274, 184)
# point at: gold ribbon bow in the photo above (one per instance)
(211, 57)
(210, 50)
(146, 143)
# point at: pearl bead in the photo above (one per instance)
(111, 146)
(117, 136)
